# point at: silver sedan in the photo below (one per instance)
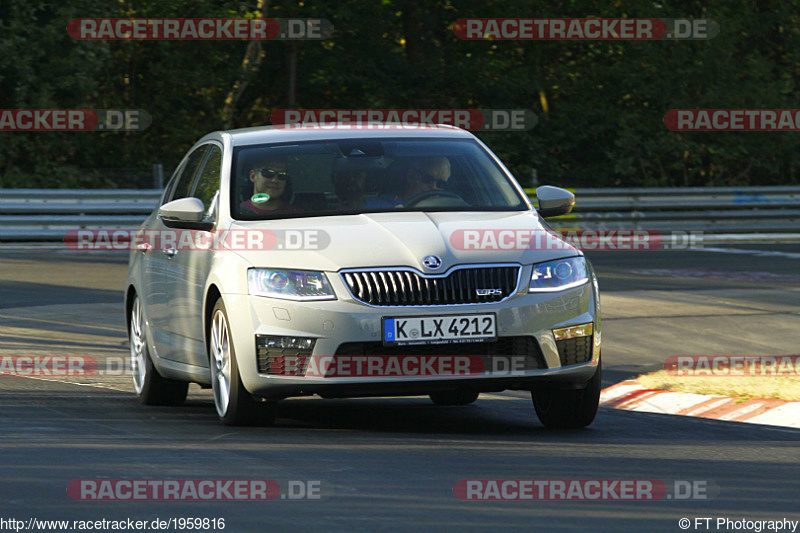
(359, 262)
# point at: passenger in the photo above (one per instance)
(349, 183)
(272, 189)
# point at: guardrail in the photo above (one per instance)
(39, 215)
(707, 209)
(31, 215)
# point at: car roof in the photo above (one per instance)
(271, 134)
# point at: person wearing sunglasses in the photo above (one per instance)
(271, 189)
(431, 174)
(420, 175)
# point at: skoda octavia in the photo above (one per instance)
(359, 262)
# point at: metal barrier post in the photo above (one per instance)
(158, 176)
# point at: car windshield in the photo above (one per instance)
(351, 176)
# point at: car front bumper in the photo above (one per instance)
(336, 322)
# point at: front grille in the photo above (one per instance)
(575, 350)
(408, 287)
(495, 355)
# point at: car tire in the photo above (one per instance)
(151, 388)
(568, 408)
(459, 397)
(234, 404)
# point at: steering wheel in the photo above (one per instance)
(414, 200)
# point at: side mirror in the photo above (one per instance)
(554, 201)
(185, 213)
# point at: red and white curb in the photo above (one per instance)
(631, 396)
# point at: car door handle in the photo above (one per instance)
(170, 252)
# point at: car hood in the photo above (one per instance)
(333, 243)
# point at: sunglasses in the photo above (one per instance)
(427, 179)
(269, 173)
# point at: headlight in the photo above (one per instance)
(289, 284)
(559, 275)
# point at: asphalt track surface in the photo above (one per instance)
(391, 464)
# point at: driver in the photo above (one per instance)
(430, 174)
(424, 174)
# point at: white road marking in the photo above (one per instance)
(95, 384)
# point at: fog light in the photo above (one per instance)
(285, 343)
(583, 330)
(283, 355)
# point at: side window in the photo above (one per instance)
(183, 182)
(206, 185)
(171, 184)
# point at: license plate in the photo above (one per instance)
(401, 331)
